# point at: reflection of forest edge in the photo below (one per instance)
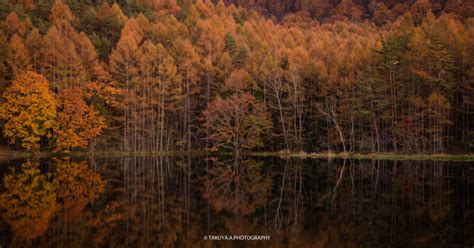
(175, 200)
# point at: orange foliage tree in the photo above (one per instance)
(344, 83)
(17, 56)
(77, 122)
(236, 123)
(29, 110)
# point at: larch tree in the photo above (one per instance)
(34, 42)
(28, 5)
(394, 68)
(295, 89)
(341, 84)
(3, 63)
(124, 67)
(11, 25)
(419, 9)
(88, 55)
(60, 61)
(105, 24)
(350, 10)
(382, 15)
(29, 110)
(118, 14)
(61, 16)
(438, 111)
(18, 57)
(159, 96)
(68, 58)
(188, 65)
(25, 27)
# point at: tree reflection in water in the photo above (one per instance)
(174, 201)
(236, 185)
(76, 187)
(67, 191)
(29, 201)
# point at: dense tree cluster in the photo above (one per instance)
(378, 11)
(157, 71)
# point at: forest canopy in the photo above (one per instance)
(149, 75)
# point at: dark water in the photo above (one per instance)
(176, 201)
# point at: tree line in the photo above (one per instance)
(164, 75)
(379, 12)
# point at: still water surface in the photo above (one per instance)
(175, 201)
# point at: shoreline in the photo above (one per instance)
(370, 156)
(6, 154)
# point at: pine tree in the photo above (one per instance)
(230, 44)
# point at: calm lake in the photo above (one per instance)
(174, 201)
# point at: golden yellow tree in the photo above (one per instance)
(29, 109)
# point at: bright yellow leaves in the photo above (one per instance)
(77, 122)
(29, 110)
(31, 113)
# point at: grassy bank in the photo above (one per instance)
(7, 154)
(371, 156)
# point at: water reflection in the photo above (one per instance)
(236, 185)
(175, 201)
(76, 188)
(29, 201)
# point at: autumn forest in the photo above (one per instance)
(237, 76)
